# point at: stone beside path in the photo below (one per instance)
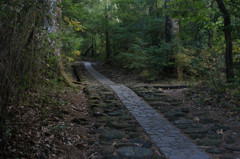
(169, 139)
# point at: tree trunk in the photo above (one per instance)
(92, 47)
(210, 32)
(108, 50)
(228, 39)
(107, 33)
(168, 25)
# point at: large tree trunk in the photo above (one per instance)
(228, 38)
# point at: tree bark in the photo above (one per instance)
(107, 33)
(210, 32)
(168, 25)
(228, 39)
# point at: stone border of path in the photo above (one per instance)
(169, 139)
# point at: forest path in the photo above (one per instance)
(169, 139)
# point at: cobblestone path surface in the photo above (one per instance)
(169, 139)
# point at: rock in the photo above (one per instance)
(112, 134)
(152, 98)
(184, 126)
(232, 148)
(109, 96)
(174, 115)
(185, 110)
(132, 128)
(94, 98)
(163, 111)
(92, 102)
(207, 121)
(104, 119)
(219, 127)
(196, 130)
(183, 121)
(229, 139)
(106, 150)
(141, 142)
(97, 112)
(110, 101)
(209, 142)
(98, 125)
(159, 103)
(119, 145)
(197, 136)
(213, 150)
(215, 136)
(135, 152)
(117, 125)
(134, 135)
(111, 157)
(80, 121)
(106, 143)
(117, 113)
(175, 104)
(125, 117)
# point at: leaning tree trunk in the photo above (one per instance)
(228, 39)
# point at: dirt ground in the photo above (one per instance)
(60, 126)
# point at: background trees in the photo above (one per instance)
(144, 33)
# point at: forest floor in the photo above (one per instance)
(64, 122)
(53, 123)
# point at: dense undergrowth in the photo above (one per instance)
(31, 66)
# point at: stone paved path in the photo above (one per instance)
(169, 139)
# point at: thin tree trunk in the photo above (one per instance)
(228, 39)
(108, 50)
(168, 25)
(210, 32)
(92, 47)
(107, 33)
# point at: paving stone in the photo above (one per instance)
(207, 121)
(107, 150)
(104, 119)
(159, 103)
(117, 113)
(229, 139)
(215, 136)
(117, 125)
(141, 142)
(209, 142)
(219, 127)
(135, 152)
(185, 110)
(196, 130)
(155, 125)
(213, 150)
(80, 121)
(112, 134)
(197, 136)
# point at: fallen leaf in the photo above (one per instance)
(196, 119)
(220, 131)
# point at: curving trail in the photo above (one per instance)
(169, 139)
